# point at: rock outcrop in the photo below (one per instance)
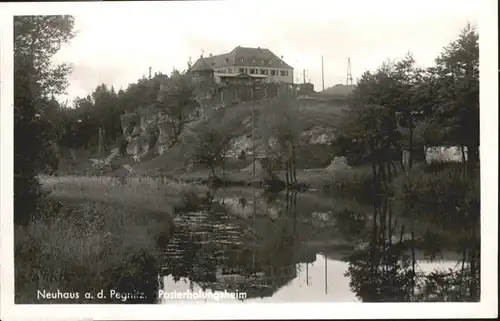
(146, 131)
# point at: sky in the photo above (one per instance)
(116, 43)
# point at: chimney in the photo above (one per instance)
(210, 54)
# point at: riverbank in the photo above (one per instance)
(347, 182)
(80, 246)
(106, 232)
(95, 233)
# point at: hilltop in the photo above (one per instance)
(318, 114)
(338, 91)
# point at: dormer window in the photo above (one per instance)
(253, 60)
(263, 61)
(241, 59)
(270, 61)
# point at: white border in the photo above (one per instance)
(489, 143)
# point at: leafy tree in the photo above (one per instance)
(176, 103)
(385, 110)
(280, 130)
(457, 92)
(210, 140)
(36, 40)
(104, 107)
(210, 148)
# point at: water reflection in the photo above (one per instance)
(218, 250)
(294, 247)
(386, 269)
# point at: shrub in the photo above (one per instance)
(87, 247)
(447, 199)
(356, 183)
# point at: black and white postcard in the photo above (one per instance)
(249, 159)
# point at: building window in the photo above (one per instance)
(242, 70)
(287, 73)
(270, 61)
(263, 61)
(282, 73)
(252, 71)
(241, 59)
(264, 72)
(273, 72)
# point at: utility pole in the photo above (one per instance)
(253, 129)
(349, 73)
(322, 74)
(326, 274)
(253, 226)
(304, 76)
(307, 273)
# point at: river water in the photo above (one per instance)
(320, 281)
(290, 247)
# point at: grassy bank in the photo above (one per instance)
(143, 192)
(356, 182)
(95, 234)
(444, 200)
(317, 179)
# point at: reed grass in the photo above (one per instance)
(95, 233)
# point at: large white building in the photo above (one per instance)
(254, 62)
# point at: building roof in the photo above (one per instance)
(202, 65)
(244, 56)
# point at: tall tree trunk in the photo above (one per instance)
(212, 169)
(472, 156)
(294, 213)
(294, 164)
(410, 160)
(464, 163)
(286, 173)
(287, 209)
(462, 276)
(473, 266)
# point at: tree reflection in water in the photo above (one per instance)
(385, 269)
(215, 251)
(258, 254)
